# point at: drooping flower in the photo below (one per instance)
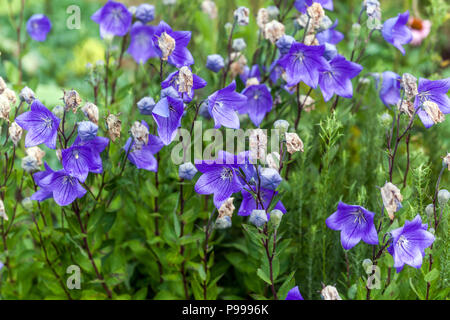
(409, 242)
(302, 5)
(114, 19)
(390, 88)
(184, 82)
(219, 177)
(141, 43)
(38, 26)
(436, 93)
(330, 35)
(143, 156)
(114, 126)
(420, 29)
(259, 102)
(167, 126)
(222, 106)
(396, 32)
(248, 203)
(337, 78)
(41, 124)
(294, 294)
(172, 45)
(355, 224)
(304, 63)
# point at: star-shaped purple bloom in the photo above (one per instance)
(173, 81)
(143, 157)
(331, 35)
(38, 26)
(173, 44)
(302, 5)
(304, 63)
(337, 79)
(41, 124)
(355, 224)
(409, 243)
(222, 106)
(294, 294)
(396, 32)
(390, 88)
(219, 177)
(141, 44)
(167, 126)
(63, 187)
(248, 203)
(259, 102)
(434, 91)
(113, 18)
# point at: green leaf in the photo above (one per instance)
(432, 275)
(263, 276)
(287, 285)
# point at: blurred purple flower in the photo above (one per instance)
(390, 88)
(141, 44)
(396, 32)
(249, 203)
(114, 19)
(302, 5)
(294, 294)
(331, 35)
(167, 126)
(259, 102)
(250, 73)
(434, 91)
(38, 26)
(145, 12)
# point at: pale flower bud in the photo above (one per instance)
(166, 44)
(275, 218)
(262, 17)
(71, 100)
(90, 111)
(227, 208)
(293, 143)
(30, 164)
(429, 210)
(258, 218)
(185, 80)
(5, 107)
(87, 130)
(392, 199)
(270, 178)
(2, 211)
(316, 13)
(273, 11)
(10, 95)
(443, 197)
(406, 107)
(140, 135)
(210, 8)
(409, 84)
(36, 153)
(273, 31)
(241, 15)
(281, 125)
(239, 44)
(114, 125)
(258, 144)
(2, 85)
(330, 293)
(187, 171)
(446, 161)
(223, 223)
(433, 111)
(27, 95)
(15, 132)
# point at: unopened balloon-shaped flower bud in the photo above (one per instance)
(433, 111)
(185, 80)
(227, 208)
(385, 119)
(228, 26)
(316, 13)
(409, 84)
(258, 217)
(169, 2)
(71, 100)
(241, 15)
(330, 293)
(262, 18)
(446, 161)
(27, 95)
(367, 263)
(27, 204)
(2, 85)
(330, 51)
(140, 133)
(429, 210)
(87, 130)
(281, 125)
(258, 144)
(90, 111)
(392, 198)
(443, 197)
(5, 107)
(30, 164)
(270, 178)
(273, 31)
(187, 171)
(252, 82)
(273, 160)
(36, 153)
(146, 105)
(15, 132)
(204, 112)
(406, 107)
(239, 44)
(209, 7)
(10, 95)
(145, 13)
(275, 218)
(166, 44)
(325, 23)
(58, 111)
(356, 29)
(114, 126)
(273, 11)
(215, 62)
(293, 143)
(2, 211)
(223, 223)
(284, 43)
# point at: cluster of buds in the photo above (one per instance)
(392, 199)
(210, 8)
(71, 100)
(114, 126)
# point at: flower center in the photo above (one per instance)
(226, 174)
(48, 123)
(403, 242)
(76, 154)
(68, 179)
(300, 56)
(359, 216)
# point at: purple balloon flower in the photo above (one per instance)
(409, 243)
(63, 187)
(248, 203)
(396, 32)
(355, 223)
(304, 63)
(172, 45)
(336, 80)
(390, 88)
(259, 102)
(302, 5)
(294, 294)
(141, 44)
(41, 124)
(143, 157)
(176, 81)
(38, 26)
(250, 73)
(113, 18)
(222, 106)
(219, 177)
(331, 35)
(434, 91)
(167, 126)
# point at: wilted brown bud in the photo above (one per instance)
(392, 198)
(238, 64)
(10, 95)
(15, 132)
(227, 208)
(447, 161)
(114, 126)
(406, 107)
(166, 44)
(27, 95)
(140, 134)
(37, 153)
(330, 293)
(310, 40)
(209, 7)
(433, 111)
(5, 107)
(293, 143)
(258, 144)
(2, 85)
(90, 110)
(262, 18)
(241, 15)
(185, 80)
(71, 100)
(273, 31)
(409, 84)
(59, 154)
(316, 13)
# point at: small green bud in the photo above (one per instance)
(443, 197)
(367, 263)
(281, 125)
(356, 29)
(429, 210)
(275, 218)
(385, 119)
